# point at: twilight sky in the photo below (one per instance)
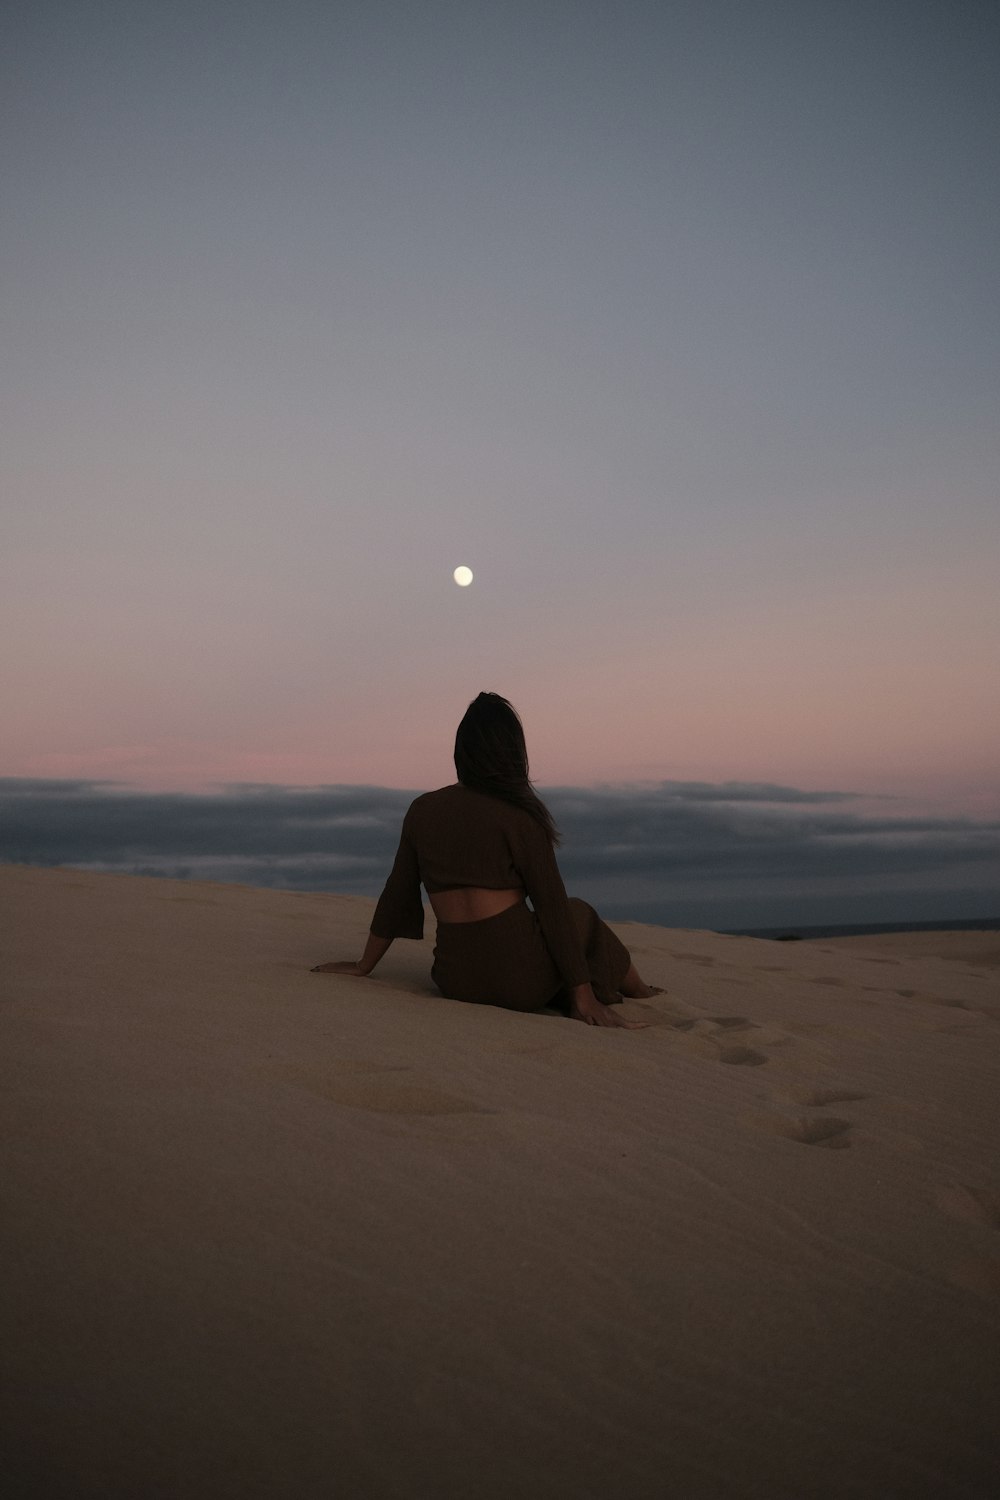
(677, 322)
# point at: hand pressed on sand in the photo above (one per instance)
(375, 948)
(341, 966)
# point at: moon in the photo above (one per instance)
(463, 577)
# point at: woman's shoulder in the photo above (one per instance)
(457, 800)
(441, 795)
(431, 804)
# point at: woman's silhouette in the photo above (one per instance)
(480, 848)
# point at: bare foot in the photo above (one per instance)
(634, 987)
(594, 1013)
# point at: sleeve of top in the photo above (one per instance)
(400, 911)
(535, 860)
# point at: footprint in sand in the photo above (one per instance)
(817, 1098)
(814, 1130)
(946, 1002)
(716, 1037)
(709, 1033)
(742, 1057)
(973, 1205)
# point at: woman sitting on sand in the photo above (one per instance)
(480, 848)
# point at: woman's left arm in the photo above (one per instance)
(535, 861)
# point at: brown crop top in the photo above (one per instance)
(457, 837)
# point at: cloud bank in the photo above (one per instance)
(731, 855)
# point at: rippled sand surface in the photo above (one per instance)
(273, 1233)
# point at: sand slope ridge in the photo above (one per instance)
(273, 1233)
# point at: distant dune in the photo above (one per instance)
(271, 1233)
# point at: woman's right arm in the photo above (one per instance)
(375, 948)
(399, 913)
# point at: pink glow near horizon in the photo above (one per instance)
(863, 732)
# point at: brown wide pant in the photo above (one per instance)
(504, 960)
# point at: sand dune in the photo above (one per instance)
(272, 1233)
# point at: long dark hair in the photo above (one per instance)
(492, 757)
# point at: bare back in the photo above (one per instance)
(472, 903)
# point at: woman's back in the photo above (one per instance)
(467, 838)
(457, 838)
(463, 844)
